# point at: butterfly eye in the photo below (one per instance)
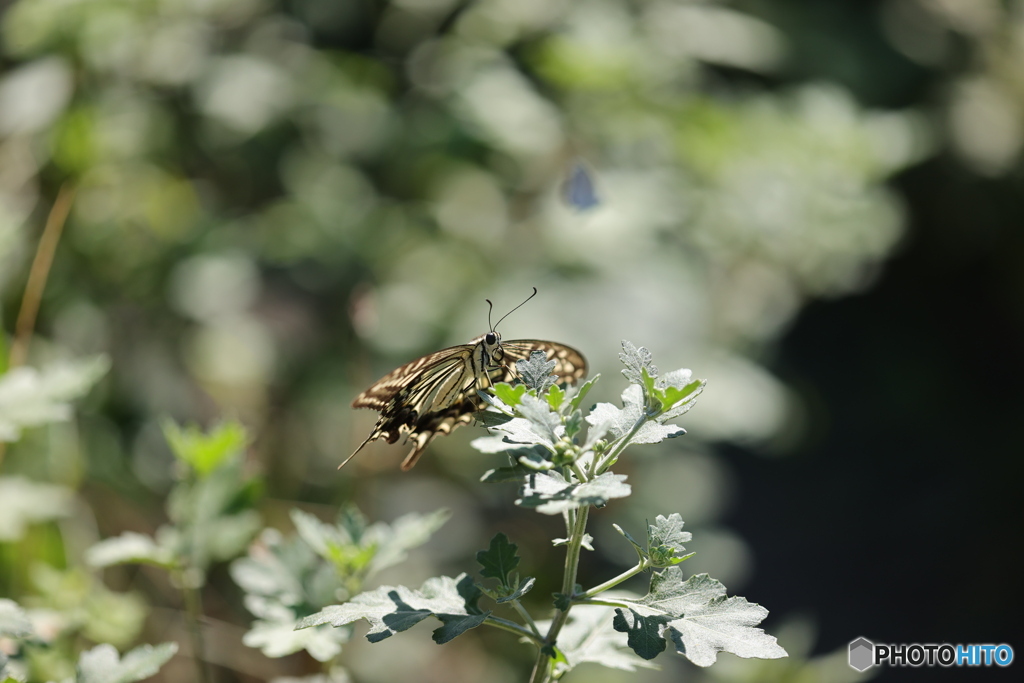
(491, 338)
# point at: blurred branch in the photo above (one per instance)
(38, 275)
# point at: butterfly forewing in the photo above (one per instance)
(437, 393)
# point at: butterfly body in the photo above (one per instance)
(437, 393)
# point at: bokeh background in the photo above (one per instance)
(817, 206)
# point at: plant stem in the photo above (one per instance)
(193, 612)
(38, 275)
(542, 667)
(513, 627)
(611, 583)
(613, 454)
(518, 606)
(36, 283)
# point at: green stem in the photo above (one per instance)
(193, 612)
(515, 628)
(621, 444)
(611, 583)
(542, 667)
(518, 606)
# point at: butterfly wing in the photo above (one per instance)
(437, 393)
(570, 365)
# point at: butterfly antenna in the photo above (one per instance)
(510, 312)
(490, 307)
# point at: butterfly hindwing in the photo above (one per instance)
(437, 393)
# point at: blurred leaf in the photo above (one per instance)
(698, 617)
(499, 560)
(23, 502)
(102, 664)
(551, 494)
(31, 397)
(390, 610)
(275, 636)
(130, 548)
(535, 371)
(85, 605)
(14, 622)
(205, 452)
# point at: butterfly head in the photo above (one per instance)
(492, 346)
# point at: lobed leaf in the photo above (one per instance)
(392, 609)
(499, 560)
(698, 617)
(551, 494)
(535, 372)
(637, 360)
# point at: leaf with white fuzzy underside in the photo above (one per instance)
(698, 617)
(392, 609)
(621, 420)
(536, 371)
(551, 494)
(588, 637)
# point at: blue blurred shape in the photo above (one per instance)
(578, 189)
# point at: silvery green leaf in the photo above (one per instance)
(130, 548)
(587, 542)
(668, 531)
(524, 587)
(539, 413)
(102, 665)
(536, 371)
(24, 502)
(698, 617)
(14, 622)
(635, 359)
(622, 420)
(551, 494)
(522, 431)
(495, 444)
(31, 397)
(675, 378)
(392, 609)
(588, 636)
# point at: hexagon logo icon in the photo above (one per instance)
(862, 654)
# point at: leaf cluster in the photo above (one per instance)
(288, 579)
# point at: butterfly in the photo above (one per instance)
(437, 393)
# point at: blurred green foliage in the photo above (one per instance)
(279, 201)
